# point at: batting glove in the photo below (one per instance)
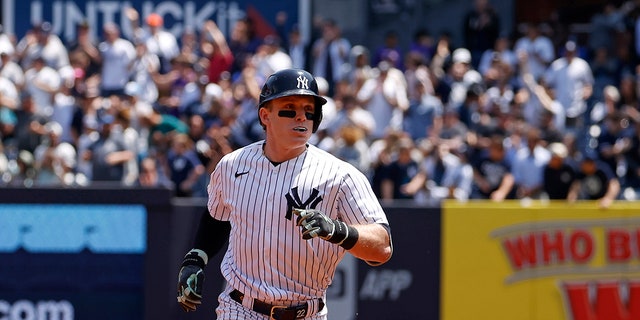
(190, 279)
(314, 223)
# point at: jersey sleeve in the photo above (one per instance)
(358, 203)
(215, 202)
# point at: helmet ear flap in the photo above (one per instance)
(317, 117)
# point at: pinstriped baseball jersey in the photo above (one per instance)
(267, 258)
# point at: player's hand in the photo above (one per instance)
(190, 280)
(314, 223)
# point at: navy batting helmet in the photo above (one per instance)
(293, 82)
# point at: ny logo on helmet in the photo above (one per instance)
(303, 82)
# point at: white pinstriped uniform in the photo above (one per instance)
(267, 258)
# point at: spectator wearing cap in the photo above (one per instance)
(161, 42)
(558, 175)
(460, 76)
(572, 80)
(41, 42)
(117, 56)
(594, 181)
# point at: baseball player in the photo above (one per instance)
(290, 212)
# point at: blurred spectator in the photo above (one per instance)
(117, 56)
(459, 77)
(399, 172)
(158, 41)
(537, 48)
(180, 87)
(29, 127)
(453, 131)
(528, 166)
(442, 175)
(481, 29)
(11, 70)
(358, 69)
(152, 176)
(571, 78)
(144, 65)
(500, 54)
(631, 185)
(386, 98)
(351, 147)
(606, 71)
(594, 181)
(416, 71)
(614, 140)
(329, 53)
(607, 105)
(220, 56)
(55, 160)
(26, 172)
(540, 107)
(423, 44)
(40, 42)
(85, 45)
(42, 83)
(184, 166)
(492, 174)
(558, 175)
(243, 43)
(109, 154)
(605, 24)
(351, 113)
(440, 59)
(246, 92)
(269, 58)
(423, 118)
(390, 50)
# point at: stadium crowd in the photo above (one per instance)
(535, 113)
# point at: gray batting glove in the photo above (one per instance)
(314, 223)
(190, 280)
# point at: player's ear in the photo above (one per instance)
(263, 114)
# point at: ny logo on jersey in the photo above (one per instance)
(293, 201)
(303, 83)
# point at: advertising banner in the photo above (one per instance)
(69, 262)
(542, 261)
(64, 15)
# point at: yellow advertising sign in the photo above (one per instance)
(542, 261)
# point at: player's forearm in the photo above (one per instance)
(373, 245)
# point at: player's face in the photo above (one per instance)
(290, 119)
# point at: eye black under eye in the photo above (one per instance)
(287, 113)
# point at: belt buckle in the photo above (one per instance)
(274, 309)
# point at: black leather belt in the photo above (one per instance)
(274, 311)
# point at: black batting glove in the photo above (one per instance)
(313, 223)
(190, 279)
